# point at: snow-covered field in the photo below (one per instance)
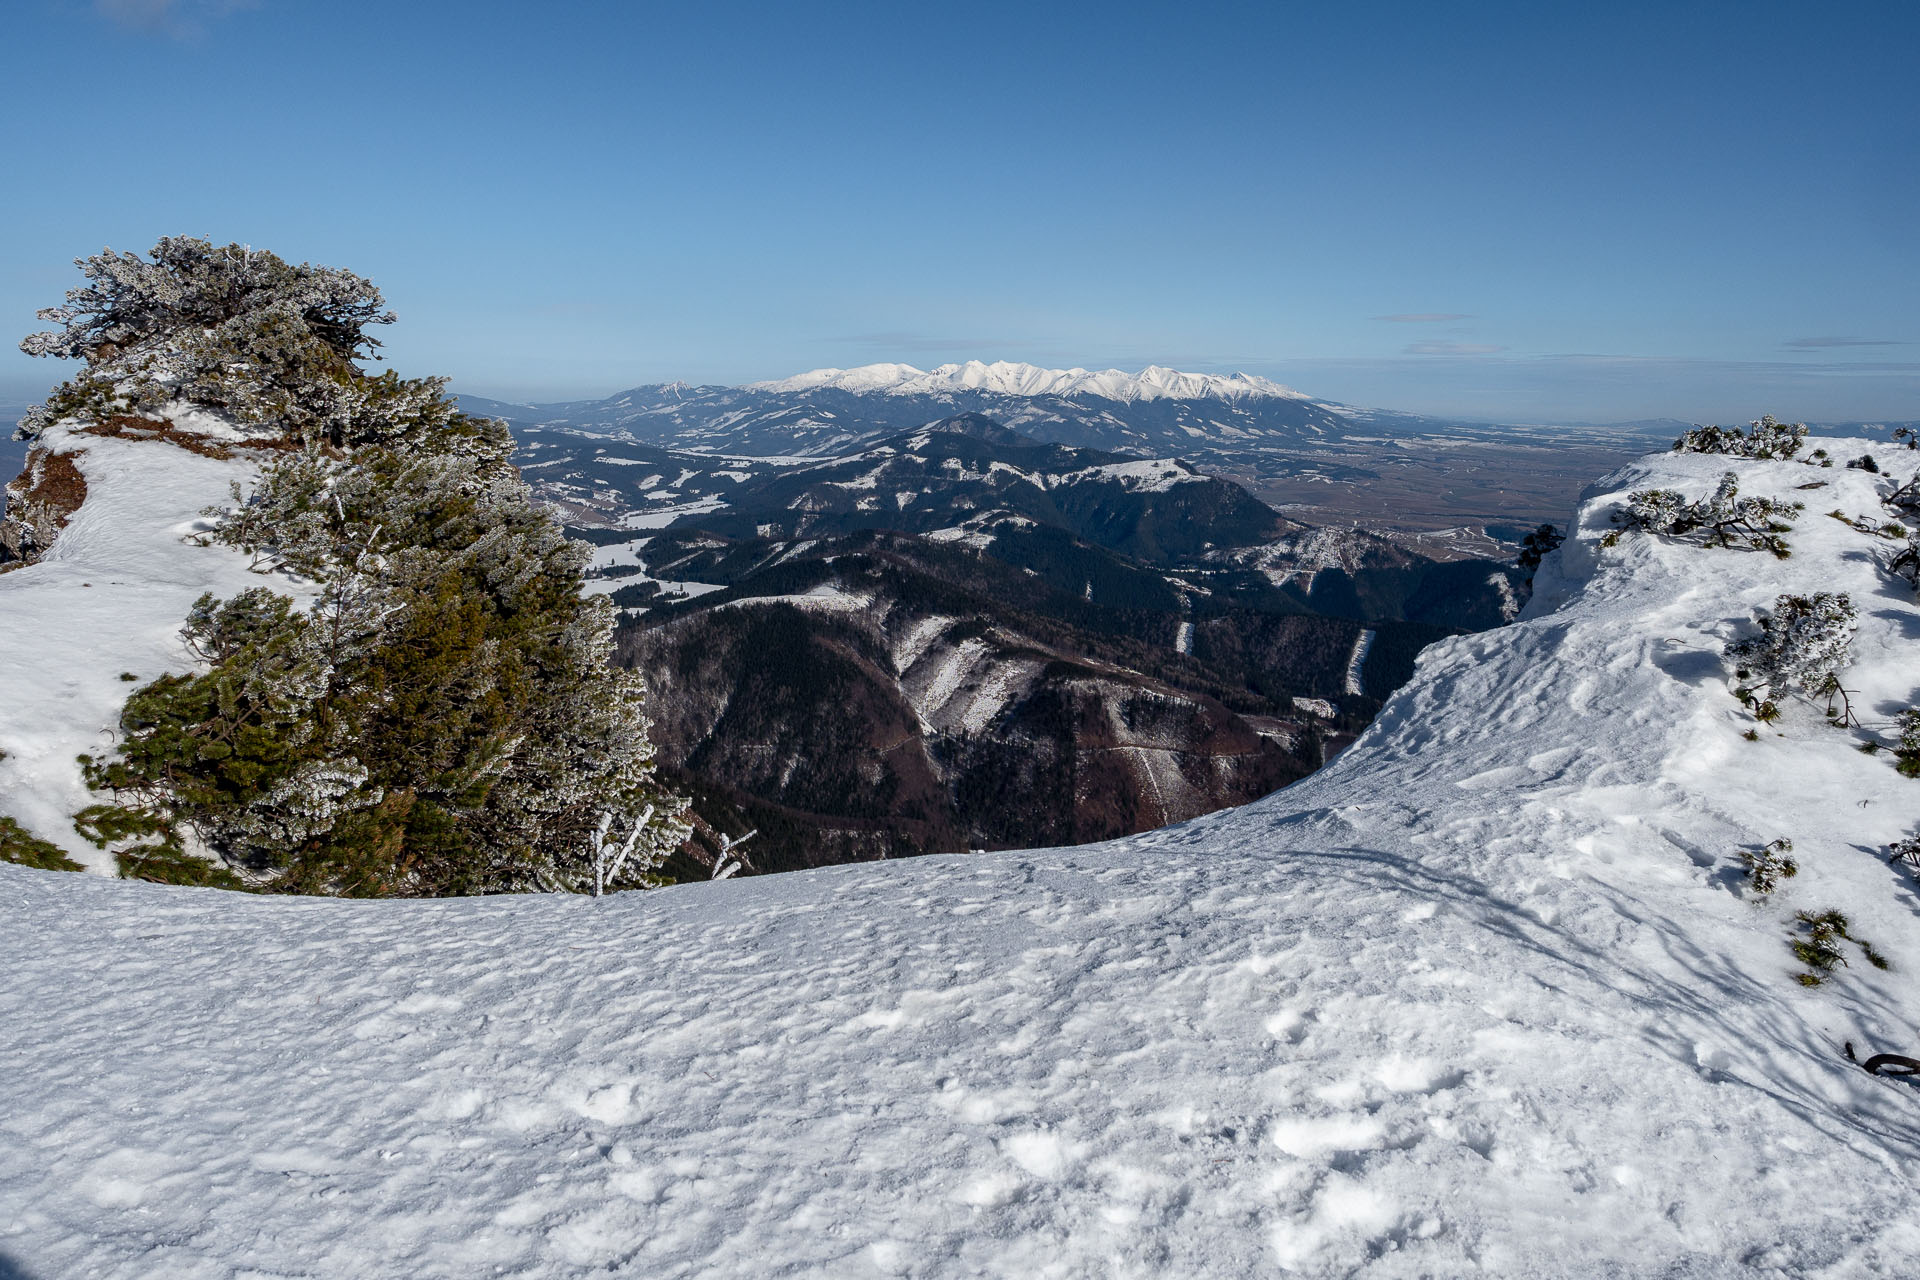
(1487, 996)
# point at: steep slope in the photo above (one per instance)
(1485, 996)
(879, 696)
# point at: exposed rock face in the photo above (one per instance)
(40, 500)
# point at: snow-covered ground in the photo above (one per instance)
(108, 598)
(1486, 996)
(628, 555)
(1357, 662)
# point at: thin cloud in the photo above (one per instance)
(1425, 317)
(1821, 344)
(167, 17)
(1453, 349)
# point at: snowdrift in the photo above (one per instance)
(1490, 995)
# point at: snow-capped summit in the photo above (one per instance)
(1012, 378)
(1156, 412)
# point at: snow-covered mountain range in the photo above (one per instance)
(831, 411)
(1495, 993)
(1237, 417)
(1012, 378)
(1382, 467)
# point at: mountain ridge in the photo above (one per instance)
(1017, 378)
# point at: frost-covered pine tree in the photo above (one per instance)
(1803, 644)
(443, 715)
(235, 329)
(1656, 510)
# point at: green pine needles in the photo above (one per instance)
(1818, 946)
(21, 846)
(419, 699)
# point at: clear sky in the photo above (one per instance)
(1540, 210)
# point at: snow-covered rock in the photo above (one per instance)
(1485, 996)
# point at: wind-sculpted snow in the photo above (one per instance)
(1485, 996)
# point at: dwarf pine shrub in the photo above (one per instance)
(1803, 643)
(441, 716)
(1906, 747)
(1820, 948)
(1768, 866)
(1723, 519)
(1766, 438)
(1536, 545)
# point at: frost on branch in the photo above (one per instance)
(629, 853)
(728, 861)
(1766, 438)
(1906, 748)
(1804, 642)
(1724, 519)
(1768, 866)
(1905, 561)
(269, 344)
(131, 304)
(1905, 852)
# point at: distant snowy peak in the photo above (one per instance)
(1013, 379)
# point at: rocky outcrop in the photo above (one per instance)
(40, 500)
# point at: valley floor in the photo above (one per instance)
(1487, 995)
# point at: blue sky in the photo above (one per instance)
(1524, 211)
